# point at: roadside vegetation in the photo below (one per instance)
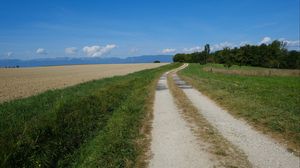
(271, 104)
(251, 71)
(96, 123)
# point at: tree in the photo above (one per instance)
(292, 60)
(206, 52)
(228, 57)
(274, 55)
(218, 57)
(202, 57)
(179, 58)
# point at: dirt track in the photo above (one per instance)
(174, 145)
(24, 82)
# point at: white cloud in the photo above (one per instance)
(243, 43)
(96, 51)
(222, 45)
(134, 50)
(214, 47)
(168, 50)
(265, 40)
(41, 51)
(293, 43)
(9, 54)
(71, 50)
(289, 43)
(193, 49)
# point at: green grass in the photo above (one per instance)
(271, 103)
(251, 71)
(236, 67)
(94, 123)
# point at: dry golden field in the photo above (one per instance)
(24, 82)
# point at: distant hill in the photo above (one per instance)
(84, 60)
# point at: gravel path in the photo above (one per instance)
(173, 143)
(262, 151)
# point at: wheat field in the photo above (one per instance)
(24, 82)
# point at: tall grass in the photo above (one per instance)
(54, 128)
(251, 71)
(269, 103)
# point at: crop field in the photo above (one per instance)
(24, 82)
(270, 103)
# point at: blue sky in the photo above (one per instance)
(59, 28)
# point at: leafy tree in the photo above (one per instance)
(228, 56)
(179, 58)
(274, 55)
(206, 53)
(292, 60)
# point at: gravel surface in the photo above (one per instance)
(173, 143)
(262, 151)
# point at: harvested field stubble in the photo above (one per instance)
(24, 82)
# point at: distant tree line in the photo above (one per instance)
(274, 55)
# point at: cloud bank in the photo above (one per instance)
(222, 45)
(291, 43)
(9, 54)
(71, 50)
(97, 51)
(266, 40)
(41, 51)
(134, 50)
(168, 50)
(193, 49)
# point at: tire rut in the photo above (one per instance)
(262, 151)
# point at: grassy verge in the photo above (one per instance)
(251, 71)
(269, 103)
(97, 121)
